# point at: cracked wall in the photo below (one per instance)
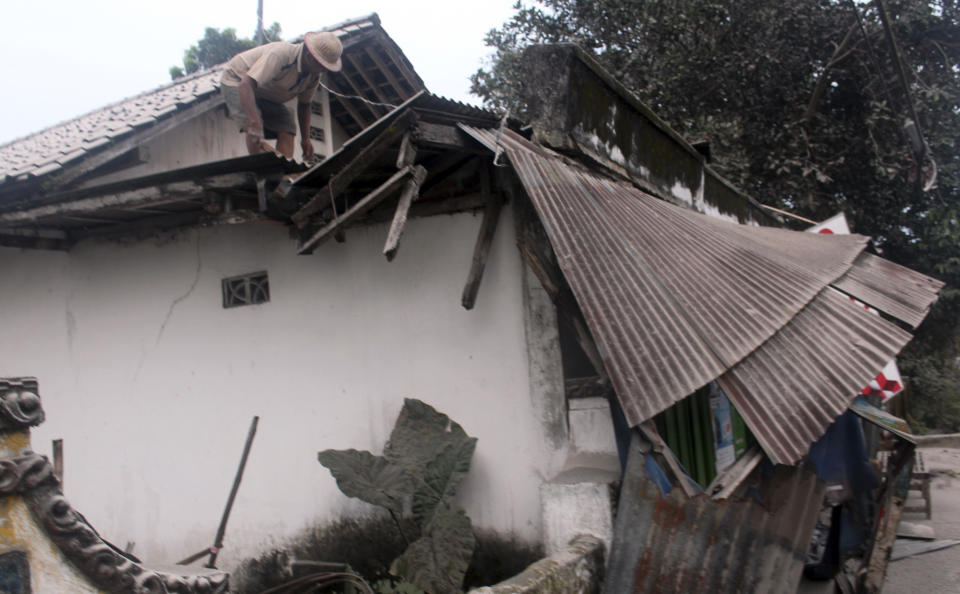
(151, 383)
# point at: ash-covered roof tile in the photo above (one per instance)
(47, 150)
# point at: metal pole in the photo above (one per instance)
(218, 542)
(259, 22)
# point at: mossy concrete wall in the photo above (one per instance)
(578, 569)
(576, 106)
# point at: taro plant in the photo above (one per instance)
(424, 460)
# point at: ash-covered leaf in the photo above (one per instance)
(438, 485)
(420, 435)
(373, 479)
(438, 560)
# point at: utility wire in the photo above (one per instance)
(364, 99)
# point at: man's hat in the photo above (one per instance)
(325, 47)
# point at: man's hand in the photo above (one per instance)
(255, 142)
(307, 146)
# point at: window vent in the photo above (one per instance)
(246, 289)
(316, 107)
(316, 133)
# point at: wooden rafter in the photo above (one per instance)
(366, 78)
(409, 194)
(481, 250)
(357, 210)
(361, 121)
(394, 82)
(408, 75)
(342, 180)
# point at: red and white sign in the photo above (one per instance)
(888, 382)
(835, 225)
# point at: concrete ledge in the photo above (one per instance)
(575, 570)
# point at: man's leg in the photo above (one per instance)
(285, 144)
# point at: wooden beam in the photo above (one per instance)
(649, 431)
(481, 250)
(363, 74)
(342, 180)
(34, 242)
(361, 121)
(409, 194)
(355, 211)
(355, 88)
(407, 153)
(386, 72)
(408, 75)
(445, 137)
(431, 208)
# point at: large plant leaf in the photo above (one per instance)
(373, 479)
(438, 485)
(438, 560)
(420, 435)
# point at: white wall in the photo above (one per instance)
(152, 384)
(213, 136)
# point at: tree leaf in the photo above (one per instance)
(438, 560)
(373, 479)
(420, 435)
(438, 485)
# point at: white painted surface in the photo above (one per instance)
(579, 501)
(152, 384)
(591, 427)
(212, 136)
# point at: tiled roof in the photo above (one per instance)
(59, 145)
(63, 144)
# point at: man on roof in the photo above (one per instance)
(256, 84)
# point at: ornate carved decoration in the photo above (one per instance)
(19, 404)
(31, 475)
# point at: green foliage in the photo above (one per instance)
(218, 46)
(424, 460)
(804, 112)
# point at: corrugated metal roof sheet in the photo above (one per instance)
(674, 299)
(680, 544)
(893, 289)
(796, 384)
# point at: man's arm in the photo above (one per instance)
(304, 116)
(254, 127)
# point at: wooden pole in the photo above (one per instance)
(221, 530)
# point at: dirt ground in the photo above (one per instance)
(937, 572)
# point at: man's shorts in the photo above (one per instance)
(276, 116)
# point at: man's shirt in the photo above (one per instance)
(278, 69)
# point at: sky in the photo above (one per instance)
(68, 57)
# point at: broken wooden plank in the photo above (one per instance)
(445, 137)
(408, 152)
(342, 180)
(355, 211)
(649, 431)
(409, 194)
(481, 250)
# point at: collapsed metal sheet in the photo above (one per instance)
(674, 299)
(697, 544)
(893, 289)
